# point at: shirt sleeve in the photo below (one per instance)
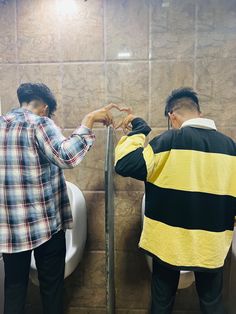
(132, 159)
(63, 152)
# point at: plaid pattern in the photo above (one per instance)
(34, 202)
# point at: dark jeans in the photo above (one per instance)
(165, 281)
(50, 262)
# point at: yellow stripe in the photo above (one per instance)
(128, 144)
(149, 158)
(183, 247)
(194, 171)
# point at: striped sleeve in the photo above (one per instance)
(63, 152)
(132, 159)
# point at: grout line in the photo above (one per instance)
(105, 50)
(16, 43)
(113, 61)
(149, 61)
(195, 46)
(61, 69)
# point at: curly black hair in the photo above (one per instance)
(180, 93)
(27, 92)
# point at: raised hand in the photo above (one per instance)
(125, 123)
(102, 115)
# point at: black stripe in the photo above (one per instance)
(179, 268)
(190, 210)
(189, 138)
(132, 165)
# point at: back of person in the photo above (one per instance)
(34, 204)
(189, 175)
(190, 198)
(26, 187)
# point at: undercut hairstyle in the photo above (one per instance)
(27, 92)
(183, 98)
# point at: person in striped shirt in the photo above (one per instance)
(34, 204)
(189, 174)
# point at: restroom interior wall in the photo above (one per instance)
(128, 52)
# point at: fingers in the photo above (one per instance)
(105, 116)
(119, 124)
(126, 109)
(109, 118)
(111, 106)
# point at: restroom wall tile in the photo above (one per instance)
(90, 290)
(127, 184)
(172, 46)
(215, 81)
(172, 16)
(215, 15)
(38, 34)
(89, 174)
(7, 32)
(8, 87)
(216, 25)
(126, 29)
(172, 29)
(50, 75)
(132, 281)
(166, 76)
(157, 131)
(222, 113)
(82, 91)
(96, 220)
(216, 45)
(82, 31)
(127, 84)
(128, 220)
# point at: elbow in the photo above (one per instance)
(120, 169)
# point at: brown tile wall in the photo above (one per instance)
(129, 52)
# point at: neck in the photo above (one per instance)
(188, 117)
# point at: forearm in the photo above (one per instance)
(88, 121)
(63, 152)
(129, 159)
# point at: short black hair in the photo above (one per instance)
(27, 92)
(182, 93)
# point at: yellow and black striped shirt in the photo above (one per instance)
(190, 186)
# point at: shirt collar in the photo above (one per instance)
(201, 123)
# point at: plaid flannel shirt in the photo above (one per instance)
(34, 202)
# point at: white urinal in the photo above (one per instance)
(186, 277)
(1, 284)
(76, 237)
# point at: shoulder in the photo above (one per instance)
(164, 141)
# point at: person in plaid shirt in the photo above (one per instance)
(34, 204)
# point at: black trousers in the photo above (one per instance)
(50, 262)
(164, 285)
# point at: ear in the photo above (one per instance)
(44, 110)
(172, 116)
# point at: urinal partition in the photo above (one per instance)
(109, 221)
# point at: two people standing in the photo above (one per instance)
(188, 173)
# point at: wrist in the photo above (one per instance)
(88, 120)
